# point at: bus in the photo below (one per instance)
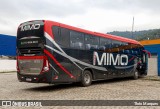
(56, 53)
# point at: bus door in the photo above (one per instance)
(146, 54)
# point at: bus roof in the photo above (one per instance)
(49, 24)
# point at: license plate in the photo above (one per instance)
(28, 79)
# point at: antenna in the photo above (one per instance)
(132, 27)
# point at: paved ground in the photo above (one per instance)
(121, 89)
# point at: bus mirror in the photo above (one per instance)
(148, 53)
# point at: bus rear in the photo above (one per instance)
(32, 64)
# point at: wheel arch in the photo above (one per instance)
(91, 70)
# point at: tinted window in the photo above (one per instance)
(27, 29)
(105, 43)
(76, 40)
(56, 34)
(123, 47)
(28, 36)
(65, 34)
(91, 42)
(116, 43)
(61, 36)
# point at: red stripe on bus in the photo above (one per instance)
(48, 28)
(149, 54)
(54, 59)
(30, 57)
(131, 59)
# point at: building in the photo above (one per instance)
(153, 46)
(7, 45)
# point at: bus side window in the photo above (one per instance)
(88, 46)
(61, 36)
(76, 40)
(56, 34)
(102, 48)
(91, 42)
(65, 34)
(116, 44)
(104, 43)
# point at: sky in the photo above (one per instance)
(95, 15)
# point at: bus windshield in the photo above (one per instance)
(30, 38)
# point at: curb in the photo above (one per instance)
(152, 78)
(8, 71)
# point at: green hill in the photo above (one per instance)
(139, 35)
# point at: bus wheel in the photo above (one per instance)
(86, 78)
(136, 74)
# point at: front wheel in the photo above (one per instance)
(86, 78)
(136, 74)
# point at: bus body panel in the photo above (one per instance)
(55, 63)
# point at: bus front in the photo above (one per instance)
(32, 64)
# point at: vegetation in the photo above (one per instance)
(139, 35)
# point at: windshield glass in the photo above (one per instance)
(30, 38)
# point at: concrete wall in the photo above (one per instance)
(7, 65)
(152, 66)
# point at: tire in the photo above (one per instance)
(136, 75)
(86, 79)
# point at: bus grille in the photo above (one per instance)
(36, 50)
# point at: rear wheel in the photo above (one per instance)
(86, 78)
(136, 74)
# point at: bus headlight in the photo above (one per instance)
(45, 68)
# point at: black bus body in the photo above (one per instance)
(52, 52)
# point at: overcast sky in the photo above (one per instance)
(96, 15)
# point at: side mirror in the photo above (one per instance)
(147, 52)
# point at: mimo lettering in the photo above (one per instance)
(30, 27)
(110, 59)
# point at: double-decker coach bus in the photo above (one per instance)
(52, 52)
